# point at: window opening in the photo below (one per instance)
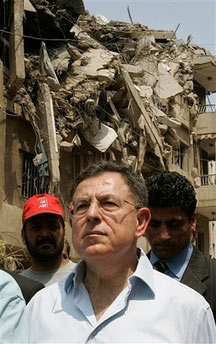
(178, 156)
(32, 183)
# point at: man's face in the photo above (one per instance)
(104, 222)
(169, 231)
(44, 236)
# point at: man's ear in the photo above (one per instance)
(71, 209)
(194, 221)
(143, 219)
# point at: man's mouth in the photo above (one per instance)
(93, 233)
(163, 245)
(46, 244)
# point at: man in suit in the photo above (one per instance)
(28, 287)
(172, 201)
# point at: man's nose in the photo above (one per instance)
(164, 233)
(44, 231)
(93, 211)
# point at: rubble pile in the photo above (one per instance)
(121, 87)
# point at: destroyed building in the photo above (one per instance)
(77, 88)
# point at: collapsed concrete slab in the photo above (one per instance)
(166, 86)
(137, 83)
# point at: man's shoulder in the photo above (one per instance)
(65, 270)
(168, 287)
(25, 280)
(69, 265)
(60, 273)
(5, 279)
(198, 255)
(48, 296)
(28, 286)
(27, 283)
(8, 285)
(25, 272)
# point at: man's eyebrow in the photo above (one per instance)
(100, 196)
(84, 198)
(32, 222)
(107, 196)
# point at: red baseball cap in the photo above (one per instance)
(40, 204)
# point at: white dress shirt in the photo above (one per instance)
(153, 308)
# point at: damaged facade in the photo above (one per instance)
(76, 88)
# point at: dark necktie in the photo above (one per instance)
(160, 266)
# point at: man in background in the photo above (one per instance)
(114, 295)
(43, 233)
(172, 201)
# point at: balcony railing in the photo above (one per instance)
(208, 179)
(202, 108)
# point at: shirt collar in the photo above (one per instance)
(76, 276)
(178, 263)
(144, 272)
(68, 288)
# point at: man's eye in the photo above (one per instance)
(174, 224)
(81, 207)
(109, 204)
(54, 226)
(35, 228)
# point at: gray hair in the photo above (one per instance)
(134, 181)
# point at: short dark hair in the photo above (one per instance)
(134, 181)
(171, 189)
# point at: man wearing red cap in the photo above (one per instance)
(43, 233)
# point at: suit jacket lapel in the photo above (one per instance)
(196, 272)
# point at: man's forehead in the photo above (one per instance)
(44, 217)
(167, 212)
(106, 181)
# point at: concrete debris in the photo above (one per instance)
(121, 87)
(145, 91)
(134, 71)
(93, 64)
(68, 146)
(166, 86)
(100, 19)
(99, 135)
(46, 68)
(61, 59)
(28, 6)
(162, 118)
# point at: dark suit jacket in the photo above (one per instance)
(200, 275)
(28, 287)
